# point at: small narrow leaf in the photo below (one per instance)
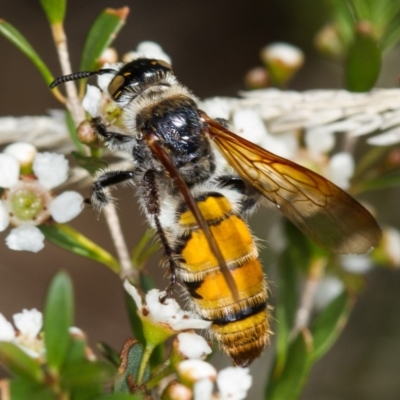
(109, 353)
(131, 356)
(54, 10)
(19, 363)
(15, 37)
(363, 62)
(70, 239)
(58, 318)
(91, 164)
(103, 31)
(288, 385)
(328, 325)
(382, 182)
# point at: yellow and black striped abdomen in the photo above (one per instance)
(241, 328)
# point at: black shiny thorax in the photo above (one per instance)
(176, 122)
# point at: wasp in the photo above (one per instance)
(197, 182)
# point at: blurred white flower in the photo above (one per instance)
(356, 263)
(92, 99)
(233, 383)
(340, 169)
(147, 49)
(28, 324)
(27, 200)
(328, 289)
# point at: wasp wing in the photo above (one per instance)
(332, 218)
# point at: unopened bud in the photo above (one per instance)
(328, 41)
(257, 78)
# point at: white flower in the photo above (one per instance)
(9, 171)
(148, 49)
(51, 169)
(25, 237)
(193, 346)
(340, 169)
(203, 389)
(328, 289)
(167, 312)
(196, 370)
(22, 151)
(28, 324)
(233, 383)
(92, 99)
(285, 53)
(28, 201)
(356, 263)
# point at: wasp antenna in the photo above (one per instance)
(80, 75)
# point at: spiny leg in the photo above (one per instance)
(115, 139)
(99, 196)
(153, 208)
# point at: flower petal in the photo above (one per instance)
(7, 331)
(328, 288)
(25, 237)
(66, 206)
(24, 152)
(341, 169)
(233, 383)
(132, 291)
(195, 370)
(4, 219)
(9, 171)
(193, 346)
(91, 101)
(29, 322)
(51, 169)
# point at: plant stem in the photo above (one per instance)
(78, 115)
(143, 362)
(304, 310)
(114, 226)
(73, 102)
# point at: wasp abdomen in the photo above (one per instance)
(241, 327)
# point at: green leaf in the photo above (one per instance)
(134, 320)
(58, 318)
(70, 239)
(131, 368)
(72, 130)
(363, 63)
(91, 164)
(19, 363)
(382, 182)
(328, 325)
(22, 389)
(287, 305)
(15, 37)
(103, 31)
(54, 10)
(288, 385)
(109, 353)
(84, 374)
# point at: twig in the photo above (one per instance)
(78, 114)
(114, 227)
(303, 313)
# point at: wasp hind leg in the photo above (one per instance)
(153, 208)
(100, 197)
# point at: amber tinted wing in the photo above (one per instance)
(332, 218)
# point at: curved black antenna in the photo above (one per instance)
(80, 75)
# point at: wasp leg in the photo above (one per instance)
(153, 208)
(115, 140)
(100, 198)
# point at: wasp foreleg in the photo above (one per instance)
(153, 208)
(114, 140)
(100, 198)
